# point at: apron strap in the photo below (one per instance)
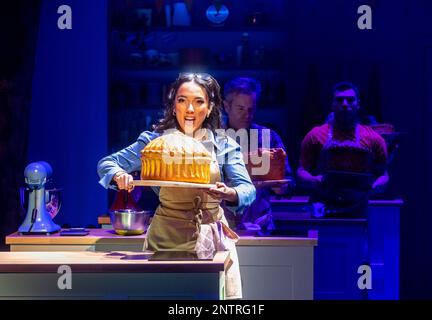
(198, 214)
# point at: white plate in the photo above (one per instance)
(172, 184)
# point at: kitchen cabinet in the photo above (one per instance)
(278, 269)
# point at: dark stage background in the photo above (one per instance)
(59, 101)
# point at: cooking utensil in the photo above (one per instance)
(41, 207)
(129, 222)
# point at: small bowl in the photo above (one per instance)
(130, 222)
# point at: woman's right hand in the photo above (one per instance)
(124, 181)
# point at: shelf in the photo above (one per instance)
(160, 108)
(144, 61)
(138, 109)
(171, 74)
(144, 69)
(270, 29)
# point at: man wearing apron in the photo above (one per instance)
(343, 161)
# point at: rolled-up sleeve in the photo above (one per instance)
(237, 177)
(128, 159)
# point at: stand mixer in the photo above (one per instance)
(38, 220)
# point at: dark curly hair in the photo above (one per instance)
(211, 87)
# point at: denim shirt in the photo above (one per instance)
(228, 154)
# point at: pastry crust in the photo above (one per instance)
(175, 157)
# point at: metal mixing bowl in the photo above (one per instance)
(129, 222)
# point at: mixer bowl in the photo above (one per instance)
(130, 222)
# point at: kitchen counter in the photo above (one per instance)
(119, 261)
(348, 243)
(99, 275)
(108, 240)
(296, 208)
(271, 267)
(344, 245)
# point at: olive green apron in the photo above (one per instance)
(190, 219)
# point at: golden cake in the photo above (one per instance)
(175, 157)
(276, 170)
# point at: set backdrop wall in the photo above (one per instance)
(69, 105)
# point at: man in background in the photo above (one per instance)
(343, 161)
(240, 102)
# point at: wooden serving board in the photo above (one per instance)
(171, 184)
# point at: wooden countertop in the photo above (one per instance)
(106, 236)
(96, 236)
(85, 261)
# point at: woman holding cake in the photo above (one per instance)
(187, 146)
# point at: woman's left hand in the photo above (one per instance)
(223, 192)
